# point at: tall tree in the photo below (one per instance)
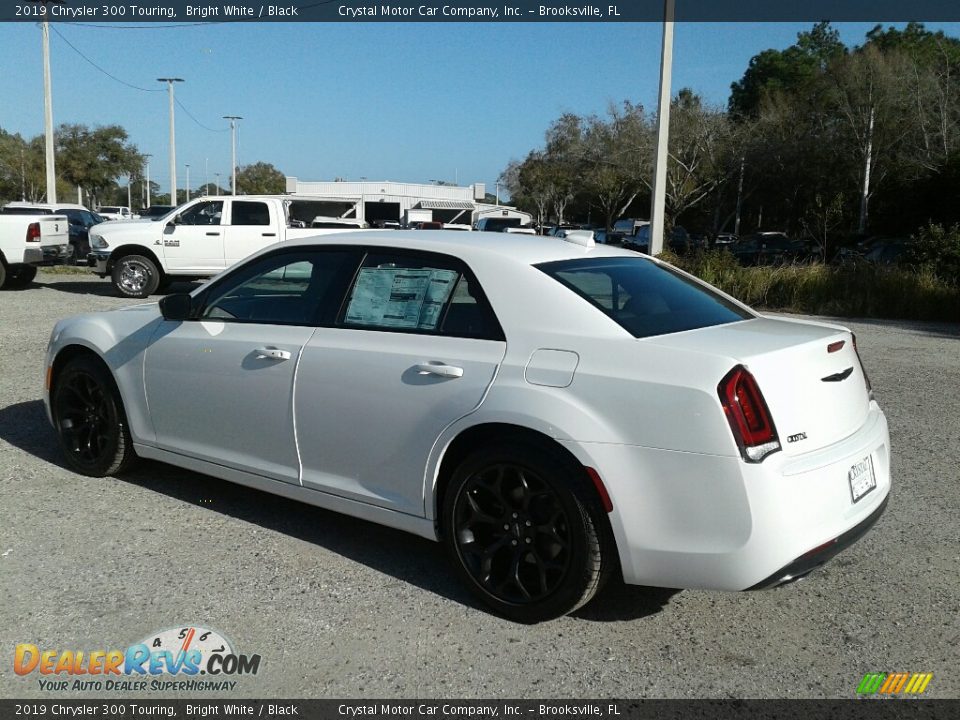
(95, 159)
(260, 178)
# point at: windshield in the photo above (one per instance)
(642, 297)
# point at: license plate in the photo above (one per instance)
(862, 478)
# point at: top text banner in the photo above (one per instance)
(120, 11)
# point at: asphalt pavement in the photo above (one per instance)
(340, 608)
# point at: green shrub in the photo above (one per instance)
(861, 290)
(937, 250)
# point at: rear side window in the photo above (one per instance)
(250, 213)
(420, 294)
(644, 298)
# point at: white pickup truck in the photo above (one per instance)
(27, 241)
(198, 239)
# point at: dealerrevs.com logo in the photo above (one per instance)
(183, 653)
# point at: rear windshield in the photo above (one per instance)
(644, 298)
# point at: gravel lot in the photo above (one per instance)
(341, 608)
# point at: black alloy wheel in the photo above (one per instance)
(89, 419)
(524, 533)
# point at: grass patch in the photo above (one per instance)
(64, 270)
(862, 290)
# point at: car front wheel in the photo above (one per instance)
(525, 533)
(135, 276)
(89, 419)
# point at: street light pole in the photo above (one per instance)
(147, 157)
(173, 141)
(48, 106)
(188, 182)
(658, 199)
(233, 151)
(217, 175)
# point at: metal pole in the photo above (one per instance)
(736, 223)
(48, 114)
(233, 151)
(129, 195)
(217, 175)
(658, 200)
(188, 182)
(148, 178)
(173, 141)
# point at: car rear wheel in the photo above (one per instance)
(524, 533)
(19, 276)
(135, 276)
(89, 419)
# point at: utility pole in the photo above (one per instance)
(173, 141)
(48, 104)
(188, 182)
(217, 175)
(233, 151)
(658, 199)
(147, 157)
(129, 195)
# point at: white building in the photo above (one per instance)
(388, 201)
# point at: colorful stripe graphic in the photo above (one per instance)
(894, 683)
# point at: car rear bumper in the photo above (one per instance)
(46, 254)
(687, 520)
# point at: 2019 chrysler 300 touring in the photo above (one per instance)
(549, 409)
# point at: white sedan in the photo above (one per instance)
(552, 411)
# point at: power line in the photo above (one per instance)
(109, 75)
(131, 85)
(190, 115)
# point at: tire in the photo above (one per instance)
(89, 419)
(3, 274)
(20, 276)
(135, 276)
(525, 533)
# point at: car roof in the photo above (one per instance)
(45, 206)
(524, 249)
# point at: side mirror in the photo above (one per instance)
(178, 306)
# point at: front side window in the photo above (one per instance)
(204, 213)
(411, 293)
(644, 298)
(289, 288)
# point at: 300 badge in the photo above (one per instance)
(189, 650)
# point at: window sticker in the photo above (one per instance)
(400, 297)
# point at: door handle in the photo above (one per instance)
(269, 234)
(447, 371)
(214, 234)
(272, 353)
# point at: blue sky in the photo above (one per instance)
(401, 101)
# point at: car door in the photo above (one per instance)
(415, 348)
(193, 239)
(253, 224)
(219, 387)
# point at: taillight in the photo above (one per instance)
(33, 232)
(748, 415)
(866, 378)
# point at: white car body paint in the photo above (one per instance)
(688, 510)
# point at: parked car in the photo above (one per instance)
(116, 212)
(336, 223)
(28, 241)
(198, 240)
(889, 251)
(79, 219)
(497, 223)
(769, 248)
(552, 413)
(725, 240)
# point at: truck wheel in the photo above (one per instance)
(3, 274)
(135, 276)
(19, 276)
